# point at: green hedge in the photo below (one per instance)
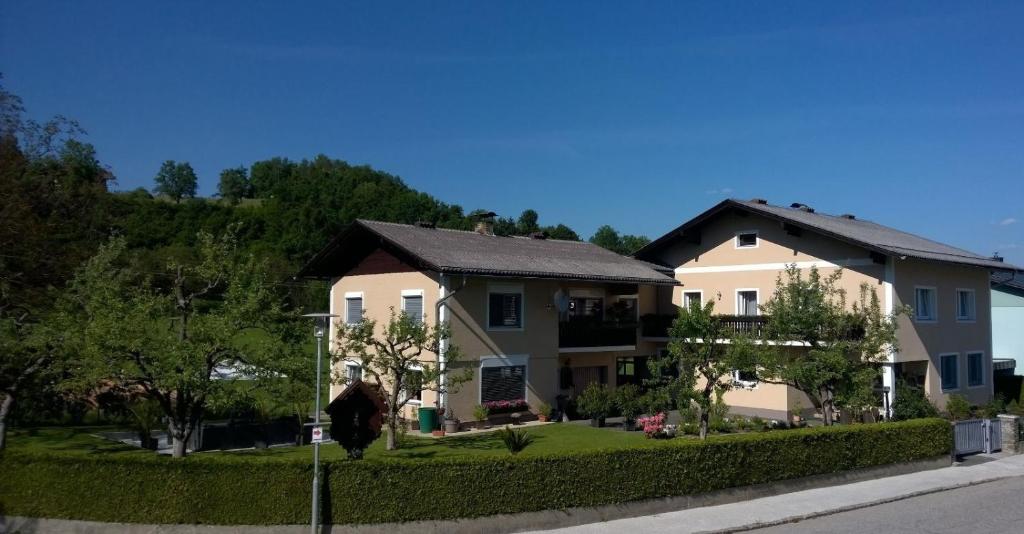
(267, 491)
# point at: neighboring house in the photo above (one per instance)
(1008, 321)
(734, 252)
(520, 308)
(539, 318)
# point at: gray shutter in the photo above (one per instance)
(414, 308)
(355, 310)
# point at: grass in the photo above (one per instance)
(547, 439)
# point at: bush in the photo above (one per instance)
(515, 440)
(629, 401)
(911, 403)
(958, 408)
(595, 402)
(249, 491)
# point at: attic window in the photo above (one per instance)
(746, 239)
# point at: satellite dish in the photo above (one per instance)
(561, 301)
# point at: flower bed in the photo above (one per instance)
(505, 406)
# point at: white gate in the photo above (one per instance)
(976, 435)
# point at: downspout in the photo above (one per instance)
(440, 317)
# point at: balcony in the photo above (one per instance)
(578, 334)
(657, 326)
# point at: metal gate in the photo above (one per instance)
(976, 435)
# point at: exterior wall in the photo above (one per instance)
(381, 278)
(1008, 326)
(926, 341)
(717, 268)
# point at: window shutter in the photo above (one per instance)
(355, 310)
(510, 308)
(414, 308)
(503, 383)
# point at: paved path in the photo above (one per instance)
(780, 509)
(992, 508)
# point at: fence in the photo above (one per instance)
(976, 436)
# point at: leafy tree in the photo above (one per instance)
(845, 343)
(170, 341)
(234, 185)
(176, 180)
(561, 231)
(705, 352)
(609, 238)
(527, 222)
(632, 243)
(397, 357)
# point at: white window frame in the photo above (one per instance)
(353, 363)
(415, 293)
(506, 288)
(745, 384)
(942, 385)
(974, 306)
(736, 301)
(967, 360)
(409, 400)
(685, 291)
(354, 295)
(935, 306)
(736, 239)
(504, 360)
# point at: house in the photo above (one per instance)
(734, 252)
(539, 318)
(1008, 322)
(533, 317)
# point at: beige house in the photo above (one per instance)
(539, 319)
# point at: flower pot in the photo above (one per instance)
(481, 424)
(542, 418)
(438, 433)
(597, 422)
(629, 425)
(451, 426)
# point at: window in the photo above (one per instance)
(353, 308)
(504, 383)
(975, 369)
(746, 302)
(746, 379)
(412, 304)
(631, 370)
(413, 388)
(586, 308)
(925, 304)
(692, 297)
(505, 307)
(746, 239)
(353, 372)
(965, 310)
(626, 309)
(950, 369)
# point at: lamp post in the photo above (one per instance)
(321, 323)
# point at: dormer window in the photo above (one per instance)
(746, 239)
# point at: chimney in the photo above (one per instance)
(485, 222)
(997, 257)
(802, 207)
(425, 224)
(849, 216)
(759, 201)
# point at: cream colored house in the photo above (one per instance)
(536, 318)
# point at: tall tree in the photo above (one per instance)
(395, 357)
(176, 180)
(705, 352)
(632, 243)
(171, 338)
(234, 185)
(609, 238)
(527, 222)
(846, 343)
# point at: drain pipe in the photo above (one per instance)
(439, 319)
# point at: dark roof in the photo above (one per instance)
(1008, 281)
(870, 235)
(462, 252)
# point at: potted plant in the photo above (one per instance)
(544, 412)
(146, 413)
(629, 402)
(480, 414)
(451, 423)
(594, 403)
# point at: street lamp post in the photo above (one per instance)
(321, 322)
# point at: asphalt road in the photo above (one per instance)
(990, 508)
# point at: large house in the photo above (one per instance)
(538, 318)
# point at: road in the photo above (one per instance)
(992, 508)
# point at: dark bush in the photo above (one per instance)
(254, 490)
(911, 403)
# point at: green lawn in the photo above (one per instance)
(548, 439)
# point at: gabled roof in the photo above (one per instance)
(1009, 282)
(869, 235)
(461, 252)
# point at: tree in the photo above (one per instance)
(561, 231)
(632, 243)
(527, 222)
(395, 358)
(170, 337)
(234, 185)
(705, 352)
(609, 238)
(845, 344)
(176, 180)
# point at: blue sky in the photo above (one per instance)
(635, 114)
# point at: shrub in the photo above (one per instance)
(480, 412)
(958, 408)
(247, 490)
(628, 401)
(911, 403)
(515, 440)
(595, 402)
(653, 426)
(544, 409)
(994, 407)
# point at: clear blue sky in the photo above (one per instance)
(634, 114)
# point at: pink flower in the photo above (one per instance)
(654, 425)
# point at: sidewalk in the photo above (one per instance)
(799, 505)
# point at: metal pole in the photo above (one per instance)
(314, 522)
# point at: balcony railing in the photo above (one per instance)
(657, 326)
(580, 334)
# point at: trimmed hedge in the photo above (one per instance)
(221, 490)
